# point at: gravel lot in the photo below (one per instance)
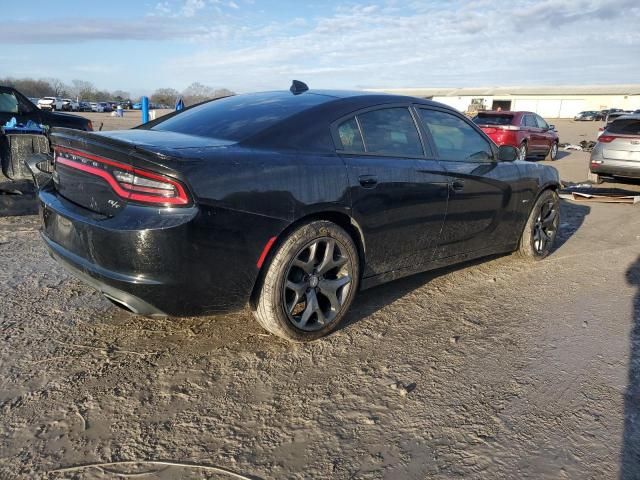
(495, 369)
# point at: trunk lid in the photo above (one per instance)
(621, 139)
(102, 172)
(622, 147)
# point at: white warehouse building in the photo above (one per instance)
(546, 101)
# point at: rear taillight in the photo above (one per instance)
(89, 126)
(606, 138)
(126, 181)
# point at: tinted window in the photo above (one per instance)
(392, 131)
(350, 137)
(541, 122)
(484, 119)
(239, 117)
(454, 138)
(625, 126)
(8, 103)
(530, 121)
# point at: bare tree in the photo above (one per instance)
(58, 87)
(82, 89)
(120, 95)
(166, 96)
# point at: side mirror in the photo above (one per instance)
(507, 153)
(552, 127)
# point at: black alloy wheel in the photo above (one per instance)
(540, 232)
(317, 284)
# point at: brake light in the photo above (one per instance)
(606, 138)
(126, 181)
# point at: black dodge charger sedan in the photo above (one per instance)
(288, 201)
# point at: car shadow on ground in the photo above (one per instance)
(368, 302)
(572, 217)
(630, 454)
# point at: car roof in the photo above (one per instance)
(503, 112)
(628, 116)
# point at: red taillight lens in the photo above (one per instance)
(606, 138)
(126, 181)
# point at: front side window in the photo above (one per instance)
(350, 138)
(541, 123)
(8, 103)
(391, 131)
(454, 138)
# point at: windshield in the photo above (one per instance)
(484, 119)
(239, 117)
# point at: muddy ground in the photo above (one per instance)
(496, 369)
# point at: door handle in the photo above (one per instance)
(457, 185)
(368, 181)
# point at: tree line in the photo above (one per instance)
(83, 90)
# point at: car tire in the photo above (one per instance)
(594, 178)
(542, 226)
(553, 152)
(523, 151)
(306, 291)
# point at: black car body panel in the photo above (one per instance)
(406, 213)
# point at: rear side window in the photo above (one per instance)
(350, 138)
(239, 117)
(625, 126)
(391, 131)
(454, 138)
(8, 103)
(483, 119)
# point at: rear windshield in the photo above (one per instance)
(484, 119)
(625, 126)
(239, 117)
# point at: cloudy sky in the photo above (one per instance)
(248, 45)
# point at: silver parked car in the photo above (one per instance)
(617, 152)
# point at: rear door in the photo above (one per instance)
(482, 211)
(400, 205)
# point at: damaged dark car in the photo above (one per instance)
(23, 132)
(287, 201)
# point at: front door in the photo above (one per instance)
(482, 214)
(400, 205)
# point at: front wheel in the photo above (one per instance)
(553, 152)
(542, 227)
(310, 283)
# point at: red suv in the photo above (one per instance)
(526, 131)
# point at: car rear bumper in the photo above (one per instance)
(153, 262)
(116, 288)
(620, 168)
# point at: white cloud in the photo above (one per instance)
(191, 7)
(462, 43)
(376, 43)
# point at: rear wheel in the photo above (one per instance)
(522, 151)
(542, 227)
(310, 283)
